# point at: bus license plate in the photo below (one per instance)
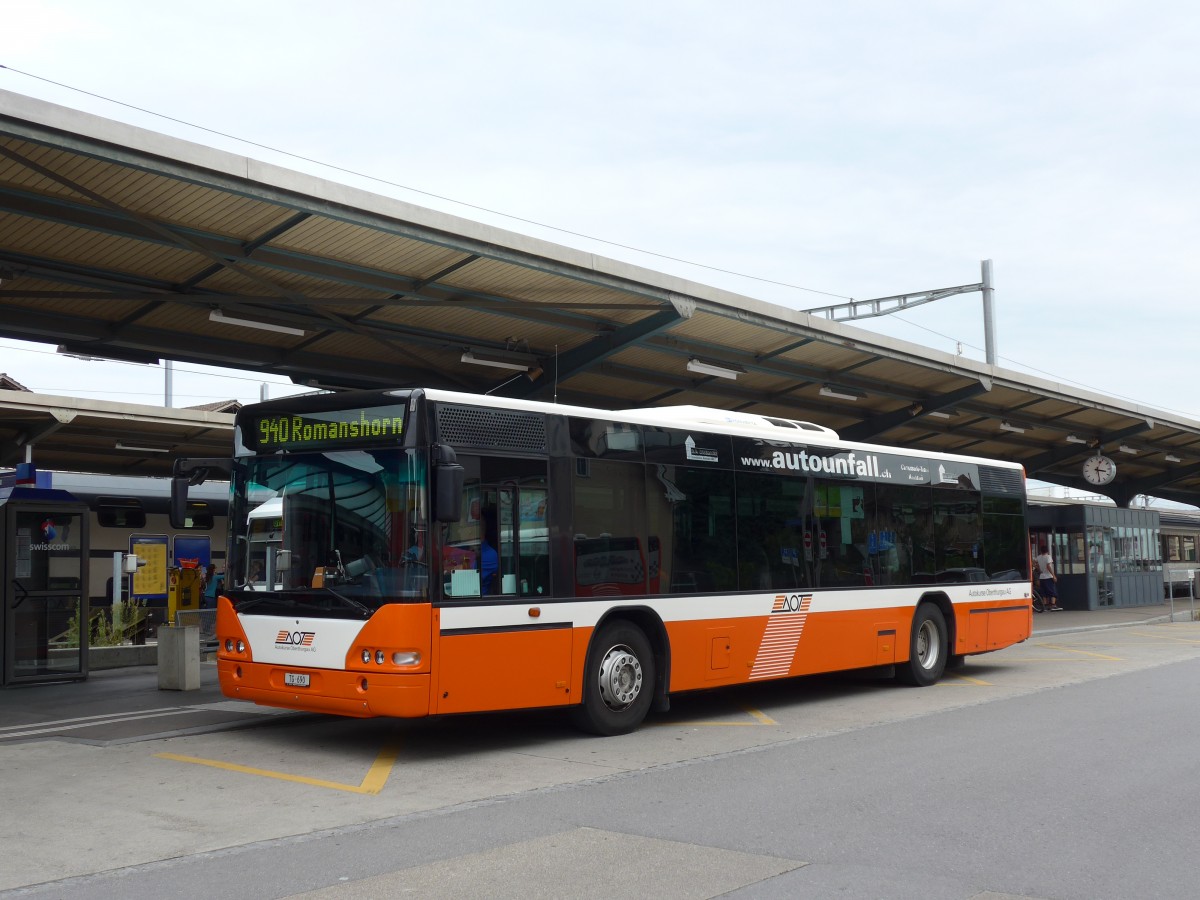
(295, 679)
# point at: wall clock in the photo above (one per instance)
(1099, 469)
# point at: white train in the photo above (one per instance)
(126, 508)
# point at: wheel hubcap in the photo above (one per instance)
(928, 646)
(620, 678)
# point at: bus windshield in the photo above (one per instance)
(341, 529)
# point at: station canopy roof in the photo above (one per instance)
(122, 243)
(72, 435)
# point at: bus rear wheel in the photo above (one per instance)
(928, 648)
(618, 681)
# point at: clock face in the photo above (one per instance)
(1099, 469)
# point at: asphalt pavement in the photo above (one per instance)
(162, 770)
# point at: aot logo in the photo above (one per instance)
(791, 603)
(302, 640)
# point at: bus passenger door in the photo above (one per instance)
(501, 647)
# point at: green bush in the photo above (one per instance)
(103, 633)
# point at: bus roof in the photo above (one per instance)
(715, 420)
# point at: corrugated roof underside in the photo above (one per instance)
(164, 198)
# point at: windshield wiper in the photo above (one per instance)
(289, 599)
(243, 605)
(351, 602)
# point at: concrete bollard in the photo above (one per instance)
(179, 658)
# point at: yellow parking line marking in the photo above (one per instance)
(760, 717)
(968, 678)
(373, 783)
(378, 774)
(1053, 659)
(1084, 652)
(1161, 638)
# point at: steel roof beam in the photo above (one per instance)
(1061, 454)
(410, 290)
(876, 425)
(1150, 484)
(288, 198)
(57, 419)
(587, 356)
(36, 326)
(170, 233)
(248, 248)
(202, 349)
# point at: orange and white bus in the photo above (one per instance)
(431, 552)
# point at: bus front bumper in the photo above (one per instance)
(358, 694)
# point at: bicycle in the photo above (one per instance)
(1039, 602)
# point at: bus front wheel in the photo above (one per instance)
(928, 648)
(618, 681)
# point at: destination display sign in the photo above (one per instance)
(334, 429)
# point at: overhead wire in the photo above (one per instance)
(1034, 369)
(404, 187)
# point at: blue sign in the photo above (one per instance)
(197, 548)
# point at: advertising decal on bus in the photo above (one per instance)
(868, 467)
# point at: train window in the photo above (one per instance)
(120, 512)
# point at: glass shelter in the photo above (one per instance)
(1104, 555)
(45, 539)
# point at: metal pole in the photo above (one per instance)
(1191, 596)
(989, 314)
(168, 378)
(118, 590)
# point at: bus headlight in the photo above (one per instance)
(241, 646)
(406, 658)
(366, 656)
(379, 657)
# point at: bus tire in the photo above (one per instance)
(928, 648)
(618, 681)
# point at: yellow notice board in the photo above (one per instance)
(150, 580)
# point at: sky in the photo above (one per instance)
(799, 152)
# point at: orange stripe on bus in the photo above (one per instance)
(778, 648)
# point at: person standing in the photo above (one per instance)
(212, 586)
(1047, 578)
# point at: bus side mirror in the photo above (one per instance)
(448, 479)
(184, 474)
(179, 496)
